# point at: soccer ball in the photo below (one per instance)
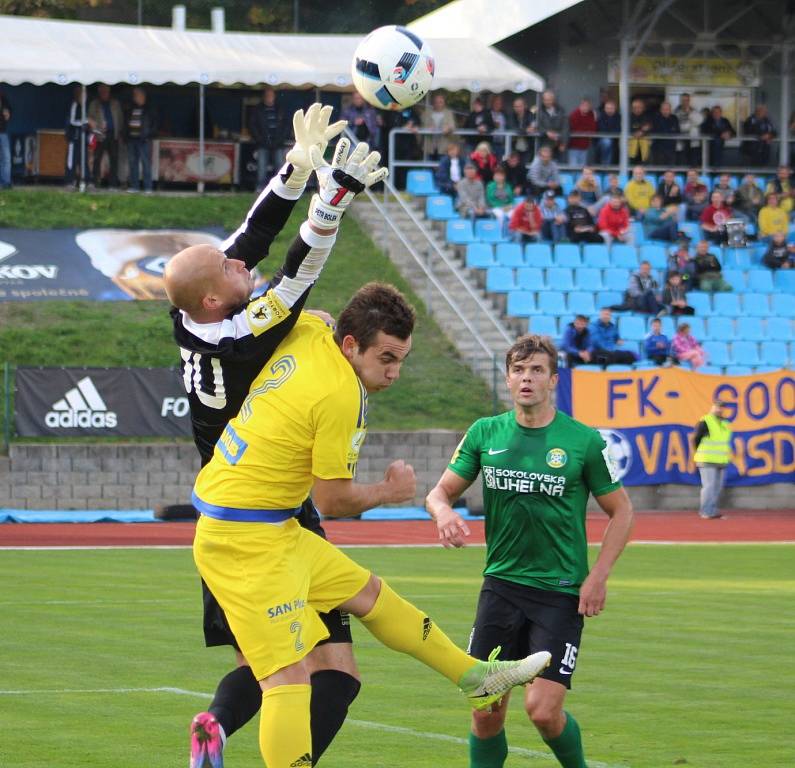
(619, 450)
(392, 68)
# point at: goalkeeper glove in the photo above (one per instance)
(311, 129)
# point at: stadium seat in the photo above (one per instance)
(624, 256)
(745, 353)
(582, 303)
(479, 256)
(725, 304)
(735, 278)
(552, 303)
(760, 281)
(617, 279)
(739, 370)
(713, 370)
(655, 255)
(509, 255)
(499, 280)
(530, 279)
(566, 182)
(521, 303)
(668, 326)
(783, 306)
(595, 255)
(750, 329)
(780, 329)
(767, 368)
(440, 208)
(560, 279)
(459, 232)
(567, 255)
(719, 328)
(758, 304)
(736, 258)
(691, 229)
(538, 255)
(588, 279)
(619, 368)
(701, 302)
(608, 298)
(750, 228)
(420, 183)
(646, 364)
(784, 280)
(489, 231)
(774, 353)
(632, 327)
(697, 326)
(717, 352)
(544, 325)
(589, 367)
(637, 233)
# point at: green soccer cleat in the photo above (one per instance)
(488, 681)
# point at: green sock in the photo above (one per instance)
(488, 753)
(568, 746)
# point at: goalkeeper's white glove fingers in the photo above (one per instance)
(311, 129)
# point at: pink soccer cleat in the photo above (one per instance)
(206, 743)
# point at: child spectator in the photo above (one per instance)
(674, 296)
(588, 186)
(471, 195)
(499, 197)
(686, 349)
(639, 191)
(605, 341)
(660, 223)
(656, 345)
(613, 222)
(576, 342)
(708, 272)
(525, 223)
(780, 254)
(450, 169)
(714, 218)
(580, 226)
(772, 218)
(553, 226)
(485, 161)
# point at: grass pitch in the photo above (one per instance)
(102, 663)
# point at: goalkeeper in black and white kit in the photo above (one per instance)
(225, 339)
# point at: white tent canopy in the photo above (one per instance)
(42, 51)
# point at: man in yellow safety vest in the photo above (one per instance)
(712, 440)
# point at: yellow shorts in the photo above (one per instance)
(272, 580)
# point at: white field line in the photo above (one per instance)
(366, 724)
(154, 601)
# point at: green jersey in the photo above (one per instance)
(535, 489)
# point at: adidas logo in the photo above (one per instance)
(302, 761)
(81, 406)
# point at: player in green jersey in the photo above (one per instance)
(538, 467)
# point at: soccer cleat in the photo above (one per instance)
(488, 681)
(206, 743)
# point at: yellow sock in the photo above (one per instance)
(284, 736)
(402, 627)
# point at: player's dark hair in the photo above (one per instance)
(529, 345)
(375, 307)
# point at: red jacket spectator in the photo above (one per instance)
(613, 221)
(716, 216)
(581, 123)
(525, 219)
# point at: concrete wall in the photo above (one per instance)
(119, 476)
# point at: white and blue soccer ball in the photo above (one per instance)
(392, 68)
(619, 452)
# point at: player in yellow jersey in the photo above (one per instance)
(301, 428)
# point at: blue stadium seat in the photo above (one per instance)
(717, 353)
(619, 368)
(479, 256)
(701, 302)
(566, 182)
(489, 231)
(668, 327)
(617, 279)
(561, 202)
(655, 254)
(783, 306)
(509, 255)
(774, 353)
(595, 255)
(588, 279)
(719, 328)
(739, 370)
(560, 279)
(725, 304)
(544, 325)
(582, 303)
(499, 280)
(608, 298)
(697, 326)
(645, 364)
(713, 370)
(440, 208)
(784, 280)
(767, 368)
(750, 329)
(750, 228)
(691, 229)
(552, 303)
(538, 255)
(637, 233)
(737, 258)
(459, 232)
(420, 182)
(758, 304)
(745, 353)
(780, 329)
(567, 255)
(521, 303)
(624, 256)
(530, 279)
(760, 281)
(632, 327)
(735, 278)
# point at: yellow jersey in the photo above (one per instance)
(305, 416)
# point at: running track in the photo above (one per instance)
(680, 527)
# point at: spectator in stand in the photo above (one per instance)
(772, 218)
(714, 218)
(708, 272)
(552, 124)
(685, 348)
(639, 191)
(640, 124)
(500, 120)
(484, 160)
(553, 225)
(613, 221)
(664, 122)
(479, 119)
(581, 120)
(689, 123)
(516, 173)
(656, 345)
(471, 195)
(140, 128)
(76, 128)
(643, 291)
(543, 174)
(499, 198)
(749, 198)
(693, 184)
(613, 188)
(440, 120)
(588, 186)
(660, 223)
(580, 226)
(674, 296)
(607, 121)
(521, 121)
(761, 128)
(669, 190)
(450, 169)
(696, 205)
(681, 261)
(525, 223)
(107, 122)
(5, 144)
(606, 343)
(782, 186)
(780, 254)
(720, 130)
(362, 119)
(576, 342)
(724, 186)
(269, 130)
